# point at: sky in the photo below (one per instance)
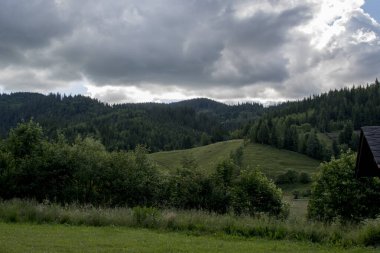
(168, 50)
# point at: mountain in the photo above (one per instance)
(319, 126)
(123, 126)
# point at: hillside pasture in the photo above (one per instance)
(271, 161)
(206, 156)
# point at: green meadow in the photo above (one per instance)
(16, 238)
(207, 156)
(271, 161)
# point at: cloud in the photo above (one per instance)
(28, 25)
(120, 51)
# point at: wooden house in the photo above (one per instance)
(368, 160)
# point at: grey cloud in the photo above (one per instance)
(28, 81)
(362, 58)
(199, 46)
(180, 43)
(28, 24)
(132, 42)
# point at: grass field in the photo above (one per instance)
(206, 156)
(273, 161)
(270, 160)
(63, 238)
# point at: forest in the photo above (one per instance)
(177, 125)
(319, 126)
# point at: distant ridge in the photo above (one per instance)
(159, 126)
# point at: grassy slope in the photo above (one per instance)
(273, 161)
(62, 238)
(270, 160)
(206, 156)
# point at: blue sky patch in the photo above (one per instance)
(372, 7)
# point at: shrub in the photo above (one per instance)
(254, 193)
(338, 195)
(304, 178)
(371, 235)
(146, 216)
(296, 194)
(289, 177)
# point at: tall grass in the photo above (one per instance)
(196, 222)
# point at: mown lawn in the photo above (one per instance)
(64, 238)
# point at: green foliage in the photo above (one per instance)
(25, 140)
(289, 177)
(302, 125)
(304, 194)
(370, 235)
(146, 216)
(338, 195)
(304, 178)
(346, 134)
(83, 172)
(313, 146)
(263, 133)
(188, 189)
(292, 177)
(223, 181)
(253, 193)
(205, 139)
(124, 126)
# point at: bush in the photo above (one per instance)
(146, 216)
(296, 194)
(304, 178)
(289, 177)
(301, 194)
(254, 193)
(371, 235)
(338, 195)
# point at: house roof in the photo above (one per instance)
(372, 135)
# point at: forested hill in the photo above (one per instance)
(319, 126)
(159, 126)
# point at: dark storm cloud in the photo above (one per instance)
(238, 47)
(30, 24)
(188, 43)
(184, 43)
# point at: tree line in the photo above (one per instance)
(84, 172)
(172, 126)
(319, 126)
